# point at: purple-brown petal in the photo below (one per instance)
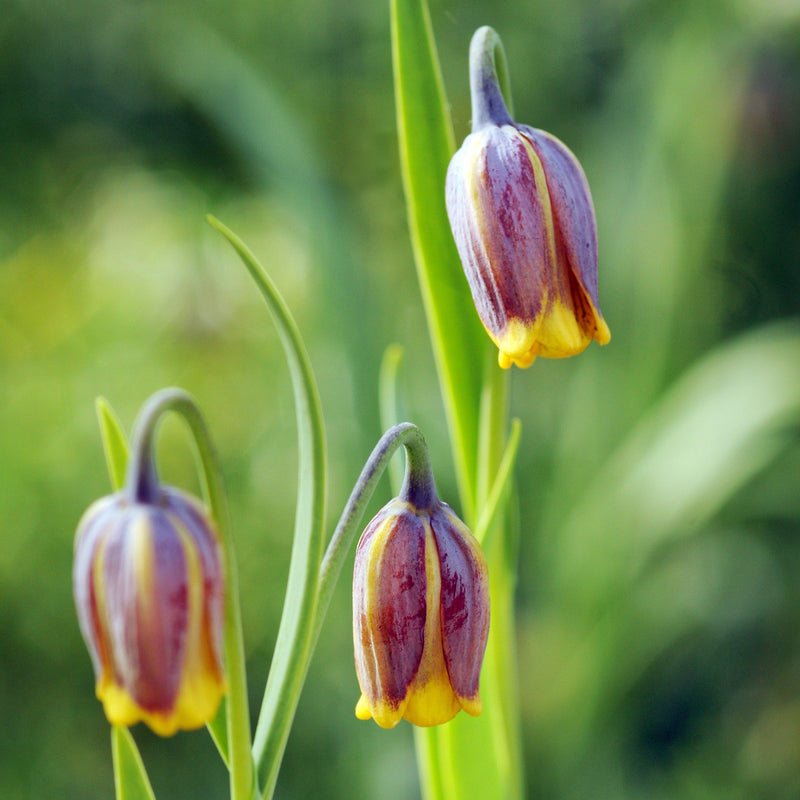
(91, 529)
(573, 210)
(503, 230)
(464, 601)
(192, 517)
(389, 605)
(147, 606)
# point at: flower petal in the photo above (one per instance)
(464, 604)
(431, 699)
(145, 585)
(389, 608)
(575, 223)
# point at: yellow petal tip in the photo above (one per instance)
(602, 334)
(362, 709)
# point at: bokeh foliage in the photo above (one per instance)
(658, 477)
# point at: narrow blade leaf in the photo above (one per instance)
(130, 778)
(115, 443)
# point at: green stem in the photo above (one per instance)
(141, 471)
(500, 671)
(493, 426)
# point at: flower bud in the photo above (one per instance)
(524, 225)
(420, 615)
(148, 588)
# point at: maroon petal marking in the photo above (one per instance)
(147, 613)
(464, 601)
(196, 523)
(389, 605)
(573, 210)
(503, 234)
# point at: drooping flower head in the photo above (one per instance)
(524, 225)
(420, 614)
(149, 593)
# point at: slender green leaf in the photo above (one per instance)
(297, 632)
(218, 728)
(130, 778)
(426, 145)
(498, 494)
(115, 443)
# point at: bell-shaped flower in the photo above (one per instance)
(524, 225)
(420, 615)
(148, 588)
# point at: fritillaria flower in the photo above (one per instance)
(524, 225)
(149, 594)
(420, 615)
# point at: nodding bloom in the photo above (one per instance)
(420, 615)
(524, 225)
(148, 588)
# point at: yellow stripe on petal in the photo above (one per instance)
(560, 335)
(431, 700)
(472, 705)
(362, 709)
(542, 195)
(119, 707)
(202, 684)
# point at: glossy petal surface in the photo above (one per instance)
(464, 605)
(389, 609)
(420, 616)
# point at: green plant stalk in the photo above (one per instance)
(456, 757)
(427, 143)
(237, 734)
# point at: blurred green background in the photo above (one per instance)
(659, 477)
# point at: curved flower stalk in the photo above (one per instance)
(313, 576)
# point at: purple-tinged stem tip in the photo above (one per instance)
(488, 104)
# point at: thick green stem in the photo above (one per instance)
(464, 753)
(141, 473)
(493, 427)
